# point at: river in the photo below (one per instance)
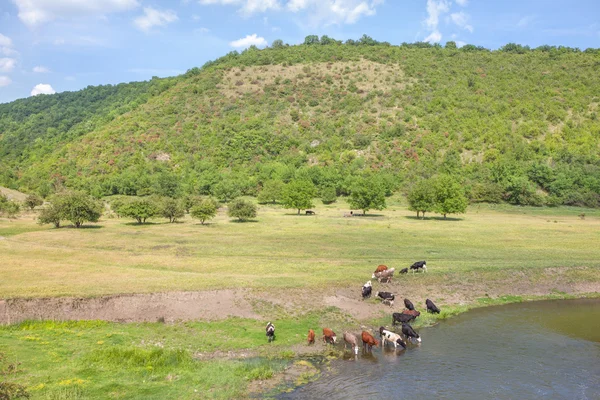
(545, 349)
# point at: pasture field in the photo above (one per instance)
(300, 272)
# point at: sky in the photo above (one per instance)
(49, 46)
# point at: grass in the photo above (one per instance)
(287, 251)
(489, 247)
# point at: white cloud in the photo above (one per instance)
(435, 8)
(36, 12)
(247, 6)
(40, 69)
(5, 81)
(434, 37)
(248, 41)
(7, 64)
(42, 88)
(461, 20)
(462, 2)
(5, 41)
(153, 17)
(525, 21)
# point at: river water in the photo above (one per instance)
(534, 350)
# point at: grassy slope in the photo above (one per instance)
(409, 111)
(98, 359)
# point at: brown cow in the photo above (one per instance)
(329, 336)
(368, 341)
(380, 268)
(311, 336)
(414, 313)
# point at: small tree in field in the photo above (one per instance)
(32, 201)
(449, 196)
(241, 209)
(172, 209)
(50, 215)
(298, 195)
(9, 208)
(421, 197)
(140, 209)
(328, 195)
(367, 194)
(205, 210)
(271, 192)
(78, 208)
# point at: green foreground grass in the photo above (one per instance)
(96, 359)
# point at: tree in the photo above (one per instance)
(50, 215)
(9, 208)
(241, 209)
(328, 195)
(311, 39)
(449, 196)
(140, 209)
(226, 190)
(421, 197)
(205, 210)
(190, 201)
(298, 195)
(451, 45)
(172, 209)
(77, 207)
(32, 201)
(277, 44)
(367, 194)
(271, 192)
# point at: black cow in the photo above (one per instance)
(408, 304)
(409, 332)
(401, 318)
(310, 212)
(366, 290)
(270, 332)
(432, 308)
(404, 271)
(419, 265)
(386, 298)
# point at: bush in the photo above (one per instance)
(271, 192)
(421, 197)
(486, 193)
(205, 210)
(242, 209)
(298, 195)
(76, 207)
(32, 201)
(367, 194)
(328, 195)
(140, 209)
(50, 215)
(172, 209)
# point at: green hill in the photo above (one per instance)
(507, 123)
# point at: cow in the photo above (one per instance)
(329, 336)
(310, 212)
(350, 214)
(380, 268)
(311, 336)
(414, 313)
(388, 336)
(432, 308)
(368, 341)
(419, 265)
(401, 318)
(270, 332)
(386, 297)
(404, 271)
(409, 332)
(408, 304)
(367, 289)
(384, 276)
(352, 341)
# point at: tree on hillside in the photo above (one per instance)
(50, 215)
(328, 195)
(367, 194)
(241, 209)
(271, 192)
(449, 196)
(226, 190)
(311, 39)
(205, 210)
(140, 209)
(172, 209)
(277, 44)
(32, 201)
(78, 207)
(421, 197)
(298, 195)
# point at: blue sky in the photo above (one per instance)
(58, 45)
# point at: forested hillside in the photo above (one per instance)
(516, 124)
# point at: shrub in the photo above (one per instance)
(205, 210)
(140, 209)
(328, 195)
(271, 192)
(298, 194)
(421, 197)
(32, 201)
(172, 209)
(50, 215)
(241, 209)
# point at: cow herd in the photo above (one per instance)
(384, 275)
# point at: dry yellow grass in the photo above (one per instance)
(287, 251)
